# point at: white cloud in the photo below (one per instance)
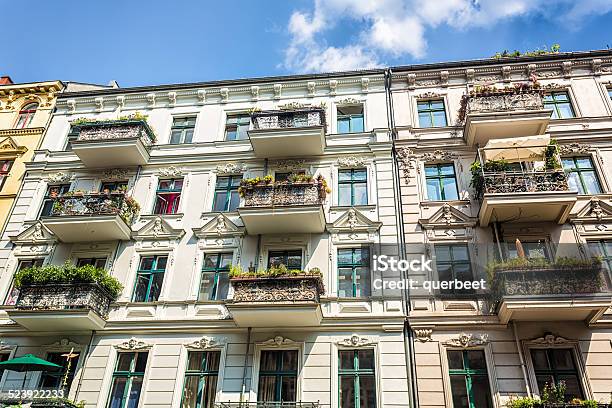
(392, 28)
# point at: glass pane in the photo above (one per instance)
(347, 391)
(463, 272)
(344, 175)
(362, 256)
(134, 392)
(288, 388)
(161, 262)
(539, 359)
(223, 285)
(543, 380)
(561, 96)
(481, 392)
(146, 264)
(210, 261)
(220, 203)
(234, 200)
(124, 361)
(431, 170)
(572, 386)
(190, 391)
(366, 359)
(445, 272)
(188, 136)
(367, 391)
(158, 280)
(290, 360)
(437, 105)
(361, 194)
(360, 175)
(590, 182)
(175, 138)
(343, 125)
(242, 132)
(294, 261)
(442, 253)
(268, 360)
(142, 285)
(267, 388)
(362, 282)
(574, 183)
(347, 359)
(207, 286)
(141, 362)
(460, 253)
(561, 359)
(455, 359)
(116, 397)
(345, 256)
(565, 110)
(447, 169)
(459, 391)
(425, 120)
(439, 118)
(568, 163)
(230, 134)
(195, 360)
(212, 360)
(345, 282)
(357, 124)
(476, 360)
(344, 194)
(433, 189)
(422, 106)
(450, 189)
(584, 163)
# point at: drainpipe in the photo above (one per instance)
(397, 193)
(521, 358)
(246, 361)
(84, 365)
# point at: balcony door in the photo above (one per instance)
(292, 259)
(278, 374)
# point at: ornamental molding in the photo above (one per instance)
(64, 343)
(465, 340)
(156, 229)
(115, 174)
(8, 146)
(34, 234)
(172, 98)
(355, 341)
(59, 177)
(423, 335)
(312, 88)
(365, 85)
(438, 155)
(596, 210)
(201, 94)
(574, 148)
(278, 89)
(219, 226)
(206, 343)
(255, 92)
(292, 106)
(289, 165)
(406, 160)
(133, 344)
(549, 339)
(447, 216)
(353, 161)
(224, 92)
(278, 341)
(230, 168)
(14, 96)
(348, 102)
(150, 98)
(352, 222)
(7, 347)
(429, 95)
(170, 171)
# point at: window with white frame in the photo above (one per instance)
(350, 119)
(278, 376)
(128, 378)
(13, 293)
(356, 378)
(214, 281)
(469, 380)
(553, 365)
(201, 377)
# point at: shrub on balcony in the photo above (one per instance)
(126, 207)
(136, 116)
(68, 274)
(250, 183)
(280, 271)
(490, 166)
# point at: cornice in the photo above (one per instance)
(21, 132)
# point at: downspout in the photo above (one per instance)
(244, 369)
(397, 193)
(521, 358)
(84, 365)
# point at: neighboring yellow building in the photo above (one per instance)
(25, 110)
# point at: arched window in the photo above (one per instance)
(26, 114)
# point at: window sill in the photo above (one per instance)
(175, 216)
(364, 207)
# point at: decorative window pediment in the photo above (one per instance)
(158, 229)
(206, 343)
(355, 341)
(353, 223)
(10, 149)
(218, 227)
(34, 234)
(549, 339)
(595, 210)
(278, 341)
(447, 216)
(465, 340)
(133, 344)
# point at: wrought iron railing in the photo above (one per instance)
(298, 118)
(261, 404)
(549, 280)
(278, 289)
(94, 204)
(285, 194)
(522, 182)
(116, 130)
(6, 402)
(64, 296)
(505, 102)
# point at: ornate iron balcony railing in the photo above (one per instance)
(549, 280)
(505, 102)
(261, 404)
(116, 130)
(64, 296)
(6, 401)
(94, 204)
(298, 118)
(285, 194)
(522, 182)
(278, 289)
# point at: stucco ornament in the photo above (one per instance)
(133, 344)
(423, 335)
(170, 171)
(278, 341)
(230, 168)
(352, 161)
(349, 101)
(59, 177)
(115, 174)
(466, 340)
(406, 159)
(355, 341)
(289, 165)
(574, 148)
(549, 339)
(438, 155)
(205, 343)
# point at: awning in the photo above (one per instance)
(529, 148)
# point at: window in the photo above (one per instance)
(113, 186)
(560, 104)
(236, 127)
(5, 167)
(182, 130)
(214, 283)
(581, 175)
(453, 262)
(532, 249)
(353, 187)
(168, 196)
(350, 119)
(52, 193)
(554, 365)
(149, 278)
(26, 114)
(603, 250)
(431, 113)
(283, 177)
(353, 272)
(278, 373)
(13, 293)
(291, 259)
(55, 380)
(127, 380)
(99, 263)
(226, 193)
(441, 182)
(357, 379)
(201, 379)
(73, 135)
(469, 379)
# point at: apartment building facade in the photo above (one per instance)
(505, 176)
(184, 332)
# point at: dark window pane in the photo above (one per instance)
(476, 359)
(290, 360)
(540, 360)
(117, 392)
(347, 392)
(367, 391)
(481, 392)
(366, 359)
(455, 359)
(288, 388)
(459, 391)
(347, 359)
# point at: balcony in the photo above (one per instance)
(282, 301)
(284, 207)
(272, 404)
(515, 196)
(500, 114)
(288, 133)
(91, 217)
(61, 307)
(8, 401)
(113, 143)
(534, 290)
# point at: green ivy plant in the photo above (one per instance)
(66, 274)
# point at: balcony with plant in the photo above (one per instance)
(95, 203)
(298, 189)
(122, 127)
(555, 396)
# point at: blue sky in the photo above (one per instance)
(155, 42)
